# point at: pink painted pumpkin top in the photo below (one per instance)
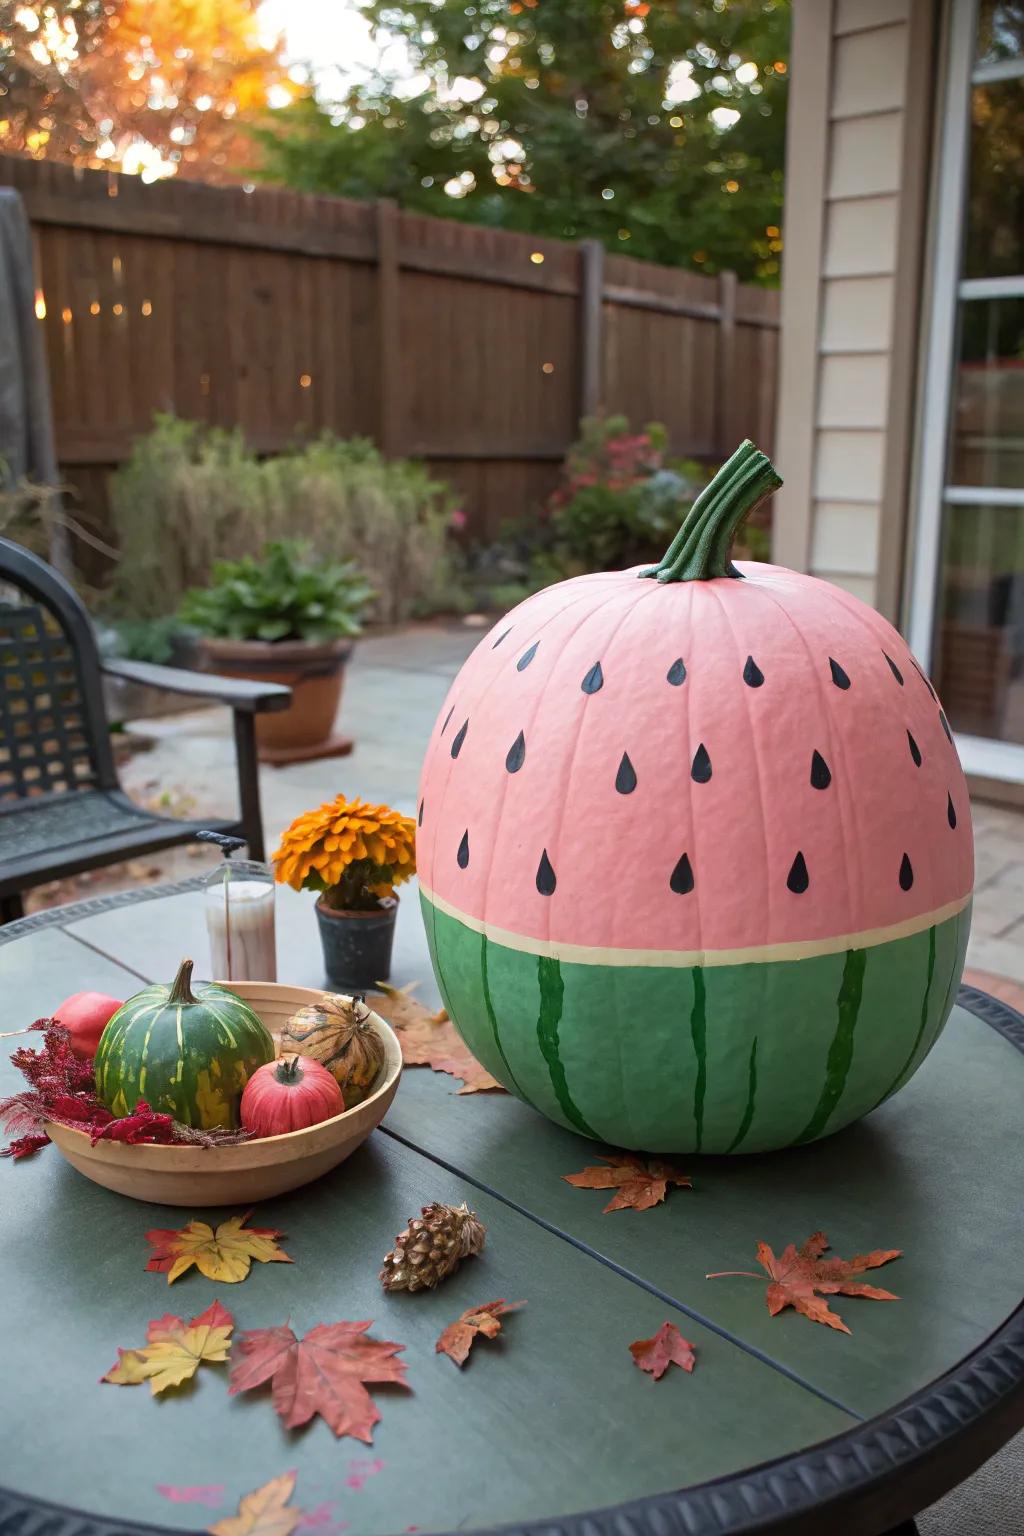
(700, 765)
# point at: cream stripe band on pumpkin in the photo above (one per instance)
(804, 949)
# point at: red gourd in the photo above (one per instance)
(85, 1016)
(289, 1095)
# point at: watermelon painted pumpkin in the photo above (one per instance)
(188, 1049)
(695, 849)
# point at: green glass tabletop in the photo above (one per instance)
(553, 1419)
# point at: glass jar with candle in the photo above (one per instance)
(239, 897)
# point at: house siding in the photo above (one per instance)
(855, 64)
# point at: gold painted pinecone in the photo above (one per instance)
(430, 1248)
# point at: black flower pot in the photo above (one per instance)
(357, 945)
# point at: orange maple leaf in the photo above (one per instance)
(322, 1373)
(226, 1254)
(430, 1039)
(668, 1347)
(174, 1350)
(799, 1273)
(264, 1512)
(641, 1181)
(457, 1339)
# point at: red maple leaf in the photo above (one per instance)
(668, 1347)
(458, 1338)
(323, 1373)
(799, 1273)
(641, 1181)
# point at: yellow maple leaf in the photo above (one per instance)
(263, 1512)
(174, 1350)
(222, 1255)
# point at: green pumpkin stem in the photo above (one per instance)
(700, 550)
(181, 987)
(289, 1071)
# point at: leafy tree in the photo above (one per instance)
(657, 128)
(152, 85)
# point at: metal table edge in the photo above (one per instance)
(875, 1475)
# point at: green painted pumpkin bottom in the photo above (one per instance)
(729, 1058)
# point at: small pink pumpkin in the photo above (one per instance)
(289, 1095)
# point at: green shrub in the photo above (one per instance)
(288, 594)
(190, 495)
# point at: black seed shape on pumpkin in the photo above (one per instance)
(752, 674)
(893, 668)
(503, 636)
(839, 677)
(625, 779)
(950, 811)
(545, 876)
(945, 726)
(516, 754)
(419, 818)
(594, 679)
(821, 774)
(527, 657)
(915, 750)
(462, 857)
(681, 878)
(460, 738)
(447, 719)
(906, 874)
(700, 768)
(798, 879)
(676, 673)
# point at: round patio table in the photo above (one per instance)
(784, 1425)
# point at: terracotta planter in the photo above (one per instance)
(357, 945)
(314, 673)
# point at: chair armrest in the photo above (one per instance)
(238, 693)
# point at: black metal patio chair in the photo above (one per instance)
(62, 808)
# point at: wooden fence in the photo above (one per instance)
(473, 349)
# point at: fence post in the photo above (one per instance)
(725, 371)
(591, 327)
(388, 329)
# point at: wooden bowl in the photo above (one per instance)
(255, 1170)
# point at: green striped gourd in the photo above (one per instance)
(695, 849)
(188, 1051)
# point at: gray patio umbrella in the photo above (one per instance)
(26, 418)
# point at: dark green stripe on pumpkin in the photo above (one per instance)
(552, 996)
(840, 1052)
(492, 1018)
(748, 1113)
(925, 1002)
(699, 1036)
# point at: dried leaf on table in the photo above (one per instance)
(457, 1339)
(668, 1347)
(323, 1373)
(174, 1350)
(799, 1274)
(222, 1255)
(430, 1039)
(265, 1512)
(641, 1181)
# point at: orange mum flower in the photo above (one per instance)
(320, 845)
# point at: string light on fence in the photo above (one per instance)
(204, 383)
(547, 367)
(537, 257)
(94, 307)
(40, 304)
(147, 307)
(305, 380)
(118, 309)
(66, 316)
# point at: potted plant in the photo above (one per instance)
(354, 855)
(284, 618)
